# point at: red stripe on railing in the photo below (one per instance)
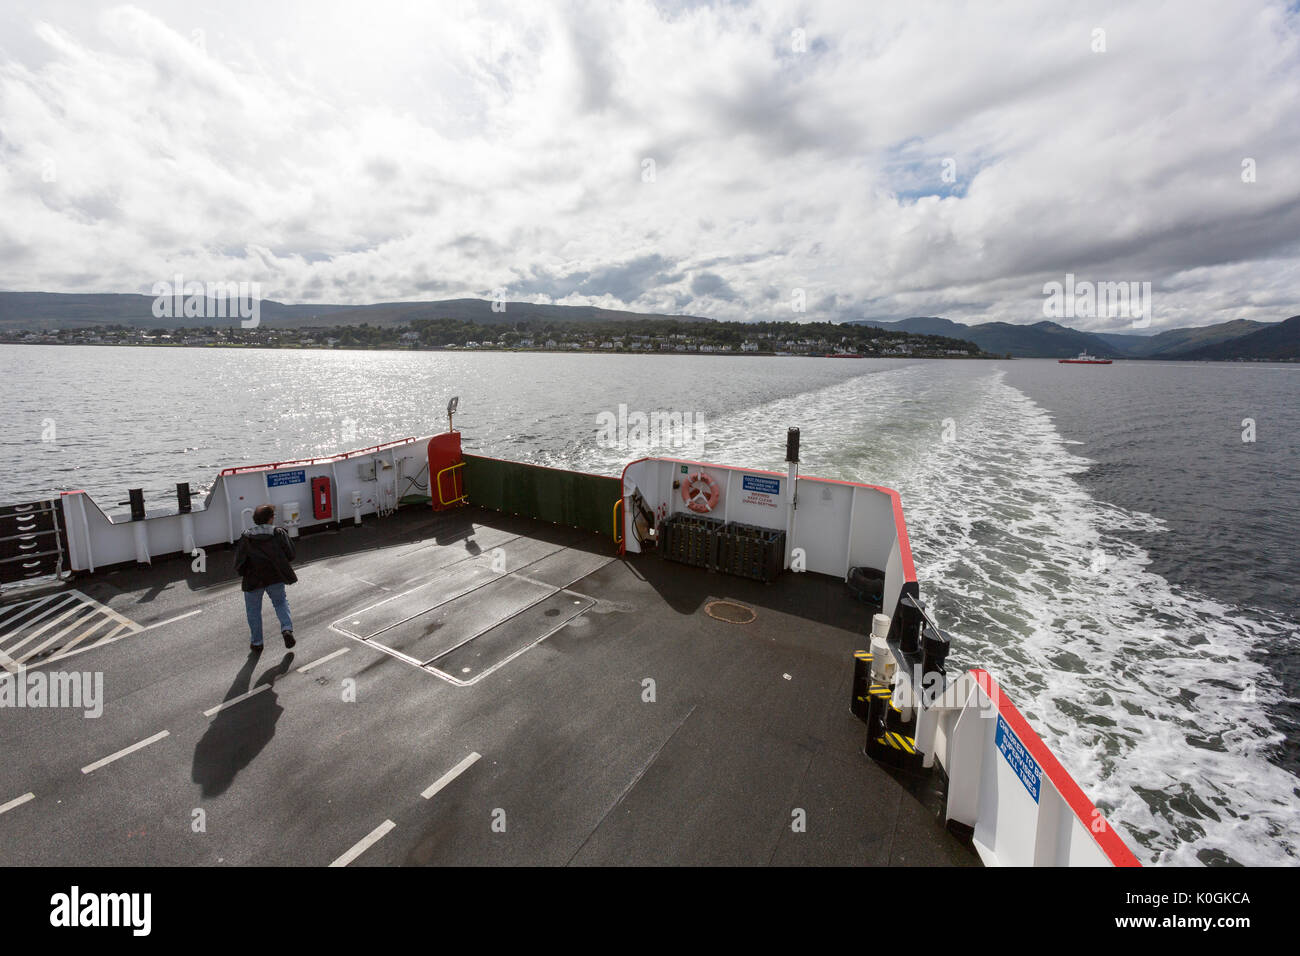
(317, 461)
(1110, 842)
(900, 523)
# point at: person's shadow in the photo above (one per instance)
(237, 734)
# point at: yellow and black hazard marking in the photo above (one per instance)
(898, 742)
(884, 693)
(860, 702)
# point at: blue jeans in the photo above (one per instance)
(253, 605)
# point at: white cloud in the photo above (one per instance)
(355, 154)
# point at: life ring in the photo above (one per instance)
(697, 498)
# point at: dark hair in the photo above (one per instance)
(264, 514)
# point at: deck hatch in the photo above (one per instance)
(509, 638)
(478, 614)
(730, 612)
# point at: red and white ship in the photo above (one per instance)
(527, 617)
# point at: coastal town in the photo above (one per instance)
(700, 338)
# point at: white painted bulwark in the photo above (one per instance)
(837, 524)
(95, 540)
(1003, 782)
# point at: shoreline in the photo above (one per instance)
(491, 350)
(586, 351)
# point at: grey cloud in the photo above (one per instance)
(712, 285)
(625, 281)
(520, 166)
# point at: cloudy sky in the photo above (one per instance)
(889, 159)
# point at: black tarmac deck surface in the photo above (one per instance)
(641, 730)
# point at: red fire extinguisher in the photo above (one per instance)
(322, 504)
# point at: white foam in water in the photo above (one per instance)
(1147, 693)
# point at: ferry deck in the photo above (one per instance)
(578, 707)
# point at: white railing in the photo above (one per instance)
(371, 481)
(1003, 782)
(830, 526)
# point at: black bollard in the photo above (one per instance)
(934, 651)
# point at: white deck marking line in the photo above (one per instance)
(375, 645)
(75, 609)
(22, 607)
(178, 617)
(469, 562)
(235, 700)
(431, 607)
(99, 622)
(40, 617)
(124, 751)
(86, 598)
(484, 630)
(114, 636)
(427, 666)
(62, 633)
(453, 679)
(451, 774)
(375, 835)
(457, 596)
(321, 660)
(18, 802)
(7, 662)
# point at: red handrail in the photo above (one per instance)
(313, 461)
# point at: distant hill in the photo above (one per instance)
(1240, 338)
(1278, 341)
(922, 325)
(55, 310)
(1174, 342)
(1051, 340)
(1040, 340)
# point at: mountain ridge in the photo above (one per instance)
(58, 310)
(1048, 339)
(1232, 340)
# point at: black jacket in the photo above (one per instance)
(263, 555)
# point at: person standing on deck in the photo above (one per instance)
(263, 557)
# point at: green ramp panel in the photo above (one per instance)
(571, 498)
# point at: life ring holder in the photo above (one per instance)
(697, 500)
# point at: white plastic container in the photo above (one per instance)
(883, 664)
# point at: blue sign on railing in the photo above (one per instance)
(766, 486)
(277, 478)
(1025, 766)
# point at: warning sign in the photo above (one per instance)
(1025, 766)
(760, 490)
(279, 478)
